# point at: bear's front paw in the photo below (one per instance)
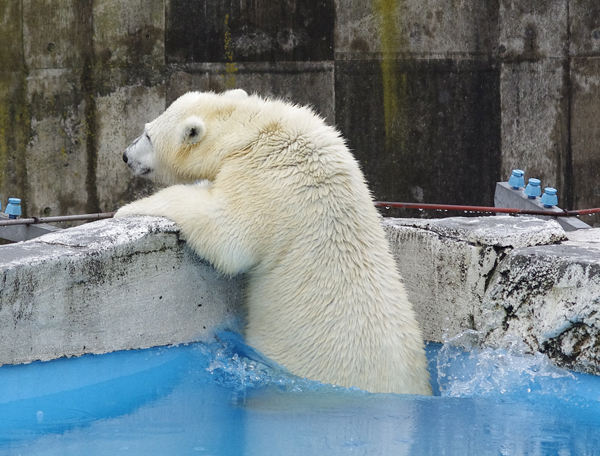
(126, 211)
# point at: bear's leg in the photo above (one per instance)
(201, 214)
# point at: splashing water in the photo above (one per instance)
(223, 398)
(464, 370)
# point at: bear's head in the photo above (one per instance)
(175, 147)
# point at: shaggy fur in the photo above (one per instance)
(287, 204)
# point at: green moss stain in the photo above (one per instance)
(394, 82)
(230, 66)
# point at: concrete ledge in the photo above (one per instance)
(550, 297)
(447, 264)
(132, 283)
(106, 286)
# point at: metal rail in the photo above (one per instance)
(385, 204)
(485, 209)
(60, 218)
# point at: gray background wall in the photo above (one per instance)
(439, 99)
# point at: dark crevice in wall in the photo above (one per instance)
(569, 179)
(85, 18)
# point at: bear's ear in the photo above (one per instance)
(235, 93)
(193, 130)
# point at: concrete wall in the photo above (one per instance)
(106, 286)
(438, 99)
(122, 284)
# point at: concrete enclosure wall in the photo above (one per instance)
(439, 99)
(132, 283)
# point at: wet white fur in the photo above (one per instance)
(288, 205)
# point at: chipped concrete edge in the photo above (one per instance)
(124, 284)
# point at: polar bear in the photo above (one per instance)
(267, 188)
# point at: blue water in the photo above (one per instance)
(211, 399)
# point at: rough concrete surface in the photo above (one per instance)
(132, 283)
(106, 286)
(505, 277)
(447, 264)
(549, 296)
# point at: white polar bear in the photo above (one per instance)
(287, 204)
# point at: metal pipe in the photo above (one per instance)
(385, 204)
(502, 210)
(60, 218)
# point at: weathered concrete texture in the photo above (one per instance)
(106, 286)
(430, 29)
(550, 297)
(532, 30)
(447, 264)
(56, 34)
(535, 89)
(585, 28)
(585, 131)
(121, 118)
(57, 162)
(506, 278)
(534, 121)
(296, 30)
(309, 83)
(439, 143)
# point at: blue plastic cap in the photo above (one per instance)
(549, 197)
(13, 208)
(533, 188)
(516, 179)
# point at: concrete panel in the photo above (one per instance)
(56, 34)
(57, 162)
(437, 140)
(14, 118)
(310, 83)
(246, 31)
(532, 29)
(14, 136)
(584, 18)
(11, 36)
(535, 121)
(128, 43)
(106, 286)
(121, 118)
(585, 134)
(428, 29)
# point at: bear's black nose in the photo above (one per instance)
(124, 157)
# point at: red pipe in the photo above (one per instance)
(503, 210)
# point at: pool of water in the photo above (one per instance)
(219, 398)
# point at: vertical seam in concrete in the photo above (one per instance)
(568, 160)
(87, 85)
(25, 122)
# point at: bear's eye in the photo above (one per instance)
(148, 137)
(193, 133)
